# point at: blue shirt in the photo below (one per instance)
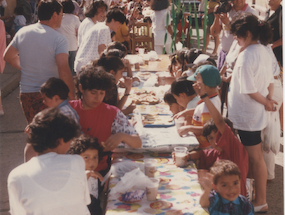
(221, 206)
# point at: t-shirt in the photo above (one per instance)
(38, 46)
(49, 184)
(227, 38)
(158, 19)
(67, 110)
(252, 73)
(201, 116)
(102, 122)
(69, 26)
(193, 103)
(20, 20)
(221, 206)
(84, 26)
(233, 150)
(99, 34)
(122, 31)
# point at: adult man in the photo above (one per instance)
(97, 38)
(40, 52)
(222, 22)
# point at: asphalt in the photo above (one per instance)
(9, 80)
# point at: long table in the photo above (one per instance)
(178, 194)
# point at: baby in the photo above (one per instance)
(90, 150)
(224, 178)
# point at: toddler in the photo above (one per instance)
(20, 20)
(225, 197)
(90, 150)
(55, 94)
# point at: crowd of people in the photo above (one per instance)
(71, 67)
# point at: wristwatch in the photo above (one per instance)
(204, 96)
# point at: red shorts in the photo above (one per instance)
(31, 103)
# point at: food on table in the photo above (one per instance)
(144, 75)
(158, 119)
(144, 97)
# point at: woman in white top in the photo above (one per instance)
(160, 26)
(96, 12)
(250, 95)
(53, 182)
(69, 27)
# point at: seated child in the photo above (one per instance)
(225, 197)
(53, 182)
(211, 79)
(55, 94)
(90, 150)
(222, 139)
(171, 101)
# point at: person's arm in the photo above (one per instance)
(184, 113)
(190, 128)
(128, 85)
(277, 43)
(65, 73)
(216, 28)
(268, 103)
(270, 90)
(101, 48)
(11, 56)
(133, 140)
(206, 183)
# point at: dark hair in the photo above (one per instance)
(46, 9)
(117, 45)
(169, 98)
(19, 10)
(92, 10)
(182, 85)
(91, 77)
(55, 86)
(113, 52)
(187, 55)
(68, 6)
(158, 5)
(109, 63)
(48, 126)
(84, 142)
(260, 30)
(210, 126)
(117, 15)
(222, 168)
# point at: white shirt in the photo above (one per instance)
(84, 26)
(252, 73)
(20, 20)
(69, 26)
(193, 103)
(88, 51)
(49, 184)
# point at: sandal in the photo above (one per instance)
(261, 208)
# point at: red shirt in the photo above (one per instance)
(233, 150)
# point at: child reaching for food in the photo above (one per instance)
(225, 198)
(90, 150)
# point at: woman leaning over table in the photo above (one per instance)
(97, 119)
(159, 25)
(250, 95)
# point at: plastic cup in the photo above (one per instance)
(152, 189)
(141, 50)
(179, 122)
(180, 154)
(150, 167)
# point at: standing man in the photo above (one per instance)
(40, 52)
(222, 23)
(97, 38)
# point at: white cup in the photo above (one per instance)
(150, 167)
(179, 122)
(152, 189)
(180, 154)
(141, 50)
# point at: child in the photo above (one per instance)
(53, 182)
(55, 94)
(211, 79)
(171, 101)
(90, 150)
(226, 198)
(20, 20)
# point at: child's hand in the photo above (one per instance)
(128, 83)
(94, 174)
(113, 141)
(186, 158)
(199, 86)
(180, 114)
(206, 181)
(130, 108)
(183, 130)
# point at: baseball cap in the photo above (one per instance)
(210, 74)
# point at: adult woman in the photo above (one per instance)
(101, 120)
(96, 12)
(69, 27)
(250, 95)
(160, 25)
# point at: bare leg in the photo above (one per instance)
(259, 173)
(217, 43)
(207, 43)
(29, 152)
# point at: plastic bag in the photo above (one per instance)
(271, 134)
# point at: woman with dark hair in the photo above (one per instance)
(69, 27)
(251, 95)
(96, 12)
(161, 23)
